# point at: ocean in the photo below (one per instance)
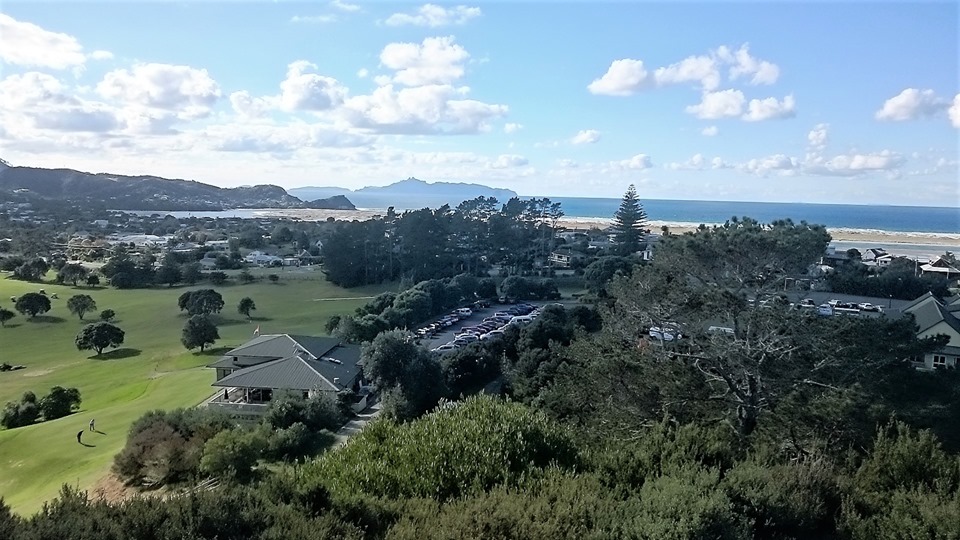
(836, 216)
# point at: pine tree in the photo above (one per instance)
(629, 223)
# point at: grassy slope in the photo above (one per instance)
(152, 370)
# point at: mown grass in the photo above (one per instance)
(150, 370)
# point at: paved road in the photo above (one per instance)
(357, 424)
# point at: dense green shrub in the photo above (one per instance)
(455, 450)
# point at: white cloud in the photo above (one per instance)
(184, 90)
(624, 77)
(343, 6)
(628, 76)
(776, 163)
(770, 109)
(637, 162)
(586, 136)
(853, 164)
(759, 71)
(26, 44)
(248, 106)
(38, 101)
(313, 19)
(954, 111)
(912, 104)
(716, 105)
(363, 73)
(101, 55)
(420, 110)
(567, 163)
(695, 163)
(432, 15)
(817, 138)
(719, 163)
(507, 161)
(438, 60)
(304, 91)
(701, 69)
(512, 127)
(710, 131)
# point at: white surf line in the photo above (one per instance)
(343, 298)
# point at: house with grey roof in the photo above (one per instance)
(935, 317)
(271, 365)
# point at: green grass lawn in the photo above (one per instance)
(150, 370)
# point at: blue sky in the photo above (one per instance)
(849, 102)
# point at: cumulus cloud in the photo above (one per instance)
(710, 131)
(770, 109)
(185, 90)
(506, 161)
(248, 106)
(438, 60)
(628, 76)
(586, 136)
(41, 101)
(26, 44)
(101, 55)
(512, 127)
(775, 163)
(701, 69)
(954, 111)
(435, 109)
(306, 91)
(716, 105)
(637, 162)
(854, 164)
(817, 138)
(567, 163)
(432, 15)
(363, 73)
(695, 163)
(279, 139)
(743, 64)
(912, 104)
(624, 77)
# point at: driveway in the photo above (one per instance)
(357, 424)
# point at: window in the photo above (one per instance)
(939, 361)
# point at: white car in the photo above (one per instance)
(445, 347)
(668, 332)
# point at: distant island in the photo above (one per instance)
(146, 192)
(409, 193)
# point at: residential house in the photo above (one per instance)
(269, 366)
(563, 258)
(934, 317)
(872, 254)
(261, 259)
(939, 267)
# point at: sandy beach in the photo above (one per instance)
(932, 242)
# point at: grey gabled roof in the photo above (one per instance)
(928, 311)
(272, 347)
(293, 373)
(283, 345)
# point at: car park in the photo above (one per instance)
(521, 319)
(467, 338)
(445, 347)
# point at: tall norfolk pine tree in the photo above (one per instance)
(629, 223)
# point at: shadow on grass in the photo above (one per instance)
(220, 321)
(117, 354)
(260, 319)
(216, 351)
(10, 325)
(88, 445)
(46, 319)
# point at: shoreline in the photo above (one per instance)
(874, 237)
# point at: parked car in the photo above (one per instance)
(867, 306)
(825, 310)
(464, 312)
(445, 347)
(668, 332)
